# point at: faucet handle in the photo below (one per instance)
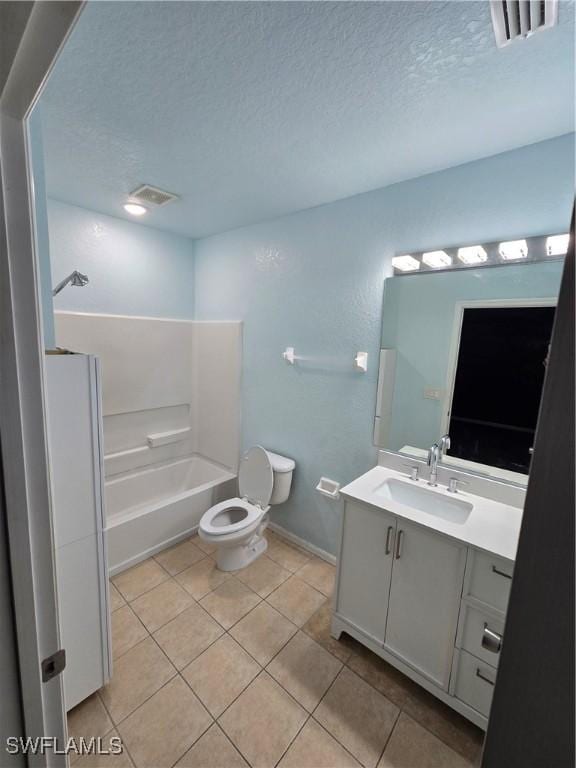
(453, 484)
(444, 444)
(414, 469)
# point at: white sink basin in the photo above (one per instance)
(409, 494)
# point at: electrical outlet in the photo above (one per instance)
(433, 394)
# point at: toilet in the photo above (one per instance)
(236, 526)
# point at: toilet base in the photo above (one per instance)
(236, 557)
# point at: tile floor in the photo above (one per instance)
(215, 670)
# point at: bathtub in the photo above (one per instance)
(152, 508)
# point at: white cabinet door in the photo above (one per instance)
(84, 634)
(427, 580)
(365, 566)
(74, 438)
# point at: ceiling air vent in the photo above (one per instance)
(149, 195)
(518, 19)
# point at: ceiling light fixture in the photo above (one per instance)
(134, 209)
(513, 249)
(405, 263)
(472, 254)
(557, 245)
(436, 259)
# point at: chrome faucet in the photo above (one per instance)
(433, 459)
(444, 444)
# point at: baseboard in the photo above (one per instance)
(282, 532)
(293, 539)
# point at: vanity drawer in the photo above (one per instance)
(480, 632)
(474, 682)
(488, 579)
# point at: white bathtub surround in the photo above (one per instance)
(171, 406)
(236, 526)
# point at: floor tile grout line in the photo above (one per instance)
(173, 546)
(115, 728)
(263, 670)
(145, 701)
(117, 658)
(320, 725)
(283, 614)
(225, 630)
(334, 735)
(308, 717)
(389, 736)
(145, 591)
(151, 632)
(401, 707)
(152, 557)
(215, 724)
(122, 720)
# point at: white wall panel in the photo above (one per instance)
(160, 375)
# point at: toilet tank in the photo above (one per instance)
(283, 469)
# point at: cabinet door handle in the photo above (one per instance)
(389, 539)
(399, 540)
(491, 640)
(481, 676)
(501, 573)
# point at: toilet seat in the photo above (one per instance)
(252, 514)
(239, 515)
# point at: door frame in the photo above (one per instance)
(24, 457)
(460, 306)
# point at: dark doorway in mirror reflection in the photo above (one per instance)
(498, 384)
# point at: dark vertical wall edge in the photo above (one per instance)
(532, 719)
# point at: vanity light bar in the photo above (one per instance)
(405, 263)
(472, 254)
(436, 259)
(513, 249)
(557, 245)
(523, 250)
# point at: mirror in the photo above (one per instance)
(464, 353)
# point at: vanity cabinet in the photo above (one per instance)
(365, 568)
(432, 606)
(424, 600)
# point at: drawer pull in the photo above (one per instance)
(491, 640)
(481, 676)
(389, 539)
(501, 573)
(399, 540)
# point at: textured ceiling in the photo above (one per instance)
(251, 110)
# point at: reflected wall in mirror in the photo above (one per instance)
(464, 353)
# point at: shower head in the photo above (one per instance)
(79, 279)
(76, 278)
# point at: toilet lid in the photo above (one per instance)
(256, 477)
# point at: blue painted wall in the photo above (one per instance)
(424, 346)
(314, 280)
(133, 270)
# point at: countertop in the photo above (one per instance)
(491, 526)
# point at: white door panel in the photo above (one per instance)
(365, 568)
(425, 596)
